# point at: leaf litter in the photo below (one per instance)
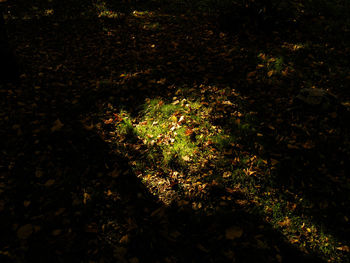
(165, 134)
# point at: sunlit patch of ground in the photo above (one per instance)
(186, 147)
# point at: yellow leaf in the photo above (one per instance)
(173, 118)
(233, 232)
(285, 72)
(344, 248)
(227, 174)
(270, 73)
(262, 56)
(87, 197)
(248, 171)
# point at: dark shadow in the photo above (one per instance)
(9, 71)
(68, 198)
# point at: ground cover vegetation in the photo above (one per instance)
(174, 131)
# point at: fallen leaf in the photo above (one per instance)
(291, 146)
(56, 232)
(91, 228)
(57, 125)
(182, 203)
(186, 158)
(86, 197)
(124, 240)
(344, 248)
(201, 247)
(134, 260)
(109, 121)
(115, 173)
(274, 162)
(38, 173)
(173, 118)
(49, 182)
(285, 222)
(251, 74)
(227, 174)
(25, 231)
(188, 132)
(233, 232)
(60, 211)
(308, 145)
(270, 73)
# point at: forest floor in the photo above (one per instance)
(139, 133)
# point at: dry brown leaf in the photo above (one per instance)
(251, 74)
(115, 173)
(60, 211)
(286, 222)
(134, 260)
(38, 173)
(233, 232)
(56, 232)
(291, 146)
(24, 232)
(57, 125)
(109, 121)
(49, 182)
(124, 240)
